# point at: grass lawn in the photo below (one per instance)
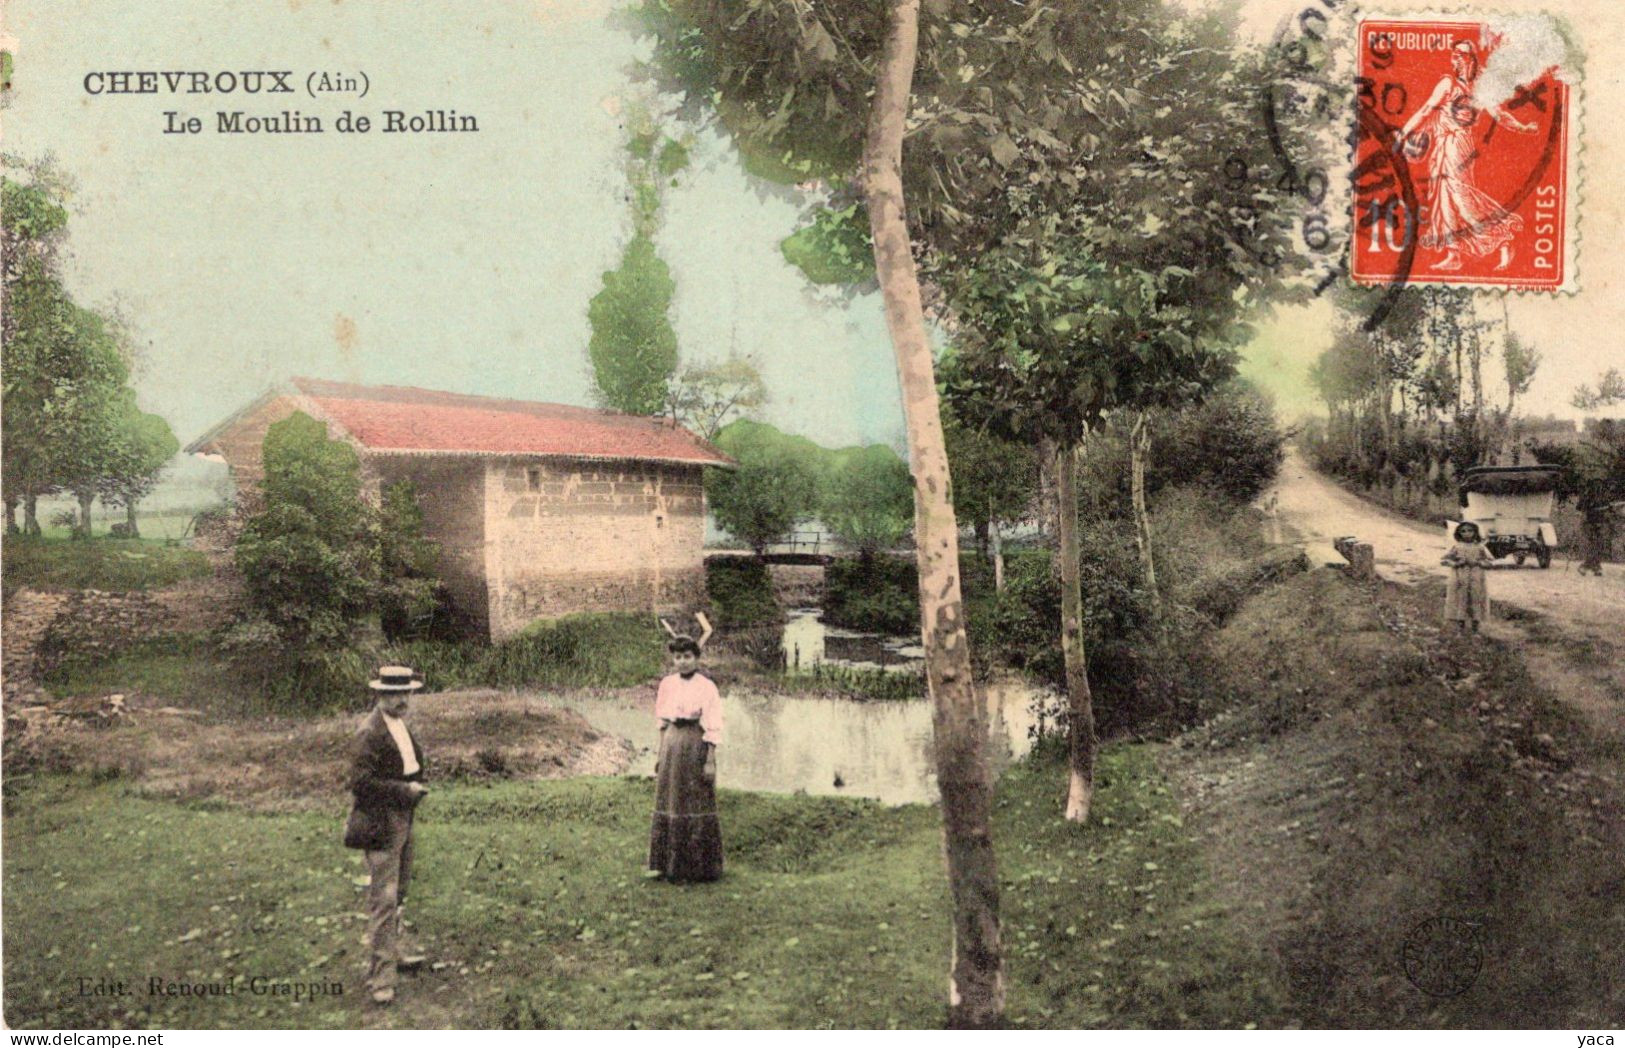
(833, 912)
(118, 565)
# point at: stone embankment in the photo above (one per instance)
(45, 629)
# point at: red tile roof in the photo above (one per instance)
(403, 419)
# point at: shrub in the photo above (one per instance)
(309, 558)
(1229, 443)
(408, 591)
(741, 591)
(610, 649)
(869, 501)
(878, 594)
(591, 649)
(862, 684)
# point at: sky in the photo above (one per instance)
(455, 261)
(465, 261)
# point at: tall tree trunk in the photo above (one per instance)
(31, 514)
(976, 972)
(86, 498)
(1139, 449)
(1387, 395)
(998, 556)
(11, 513)
(1080, 702)
(129, 516)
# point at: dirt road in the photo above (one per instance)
(1574, 644)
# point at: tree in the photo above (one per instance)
(633, 347)
(1610, 390)
(85, 409)
(706, 397)
(977, 969)
(70, 422)
(309, 557)
(35, 312)
(1519, 362)
(798, 102)
(144, 444)
(869, 502)
(995, 483)
(763, 499)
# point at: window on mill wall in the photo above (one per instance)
(533, 478)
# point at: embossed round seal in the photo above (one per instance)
(1442, 956)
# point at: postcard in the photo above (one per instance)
(572, 514)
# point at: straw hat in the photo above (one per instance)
(395, 678)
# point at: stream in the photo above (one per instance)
(787, 744)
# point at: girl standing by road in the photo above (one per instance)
(1466, 599)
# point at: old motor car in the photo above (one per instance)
(1512, 506)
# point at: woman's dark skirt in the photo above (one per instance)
(685, 843)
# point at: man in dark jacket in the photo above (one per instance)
(386, 775)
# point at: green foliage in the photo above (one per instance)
(705, 397)
(588, 649)
(1229, 444)
(994, 480)
(1593, 468)
(591, 649)
(877, 594)
(863, 494)
(869, 503)
(673, 158)
(775, 486)
(406, 562)
(834, 247)
(70, 421)
(1610, 390)
(741, 591)
(114, 565)
(860, 683)
(36, 214)
(143, 445)
(310, 564)
(633, 348)
(1017, 627)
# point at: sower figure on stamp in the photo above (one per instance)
(386, 775)
(685, 840)
(1461, 216)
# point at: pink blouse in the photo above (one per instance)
(680, 699)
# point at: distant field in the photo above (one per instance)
(173, 525)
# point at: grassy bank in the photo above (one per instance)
(607, 650)
(1369, 774)
(832, 912)
(116, 565)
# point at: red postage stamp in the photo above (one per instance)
(1463, 168)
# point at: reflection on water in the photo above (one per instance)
(808, 642)
(783, 744)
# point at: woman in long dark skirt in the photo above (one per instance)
(685, 842)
